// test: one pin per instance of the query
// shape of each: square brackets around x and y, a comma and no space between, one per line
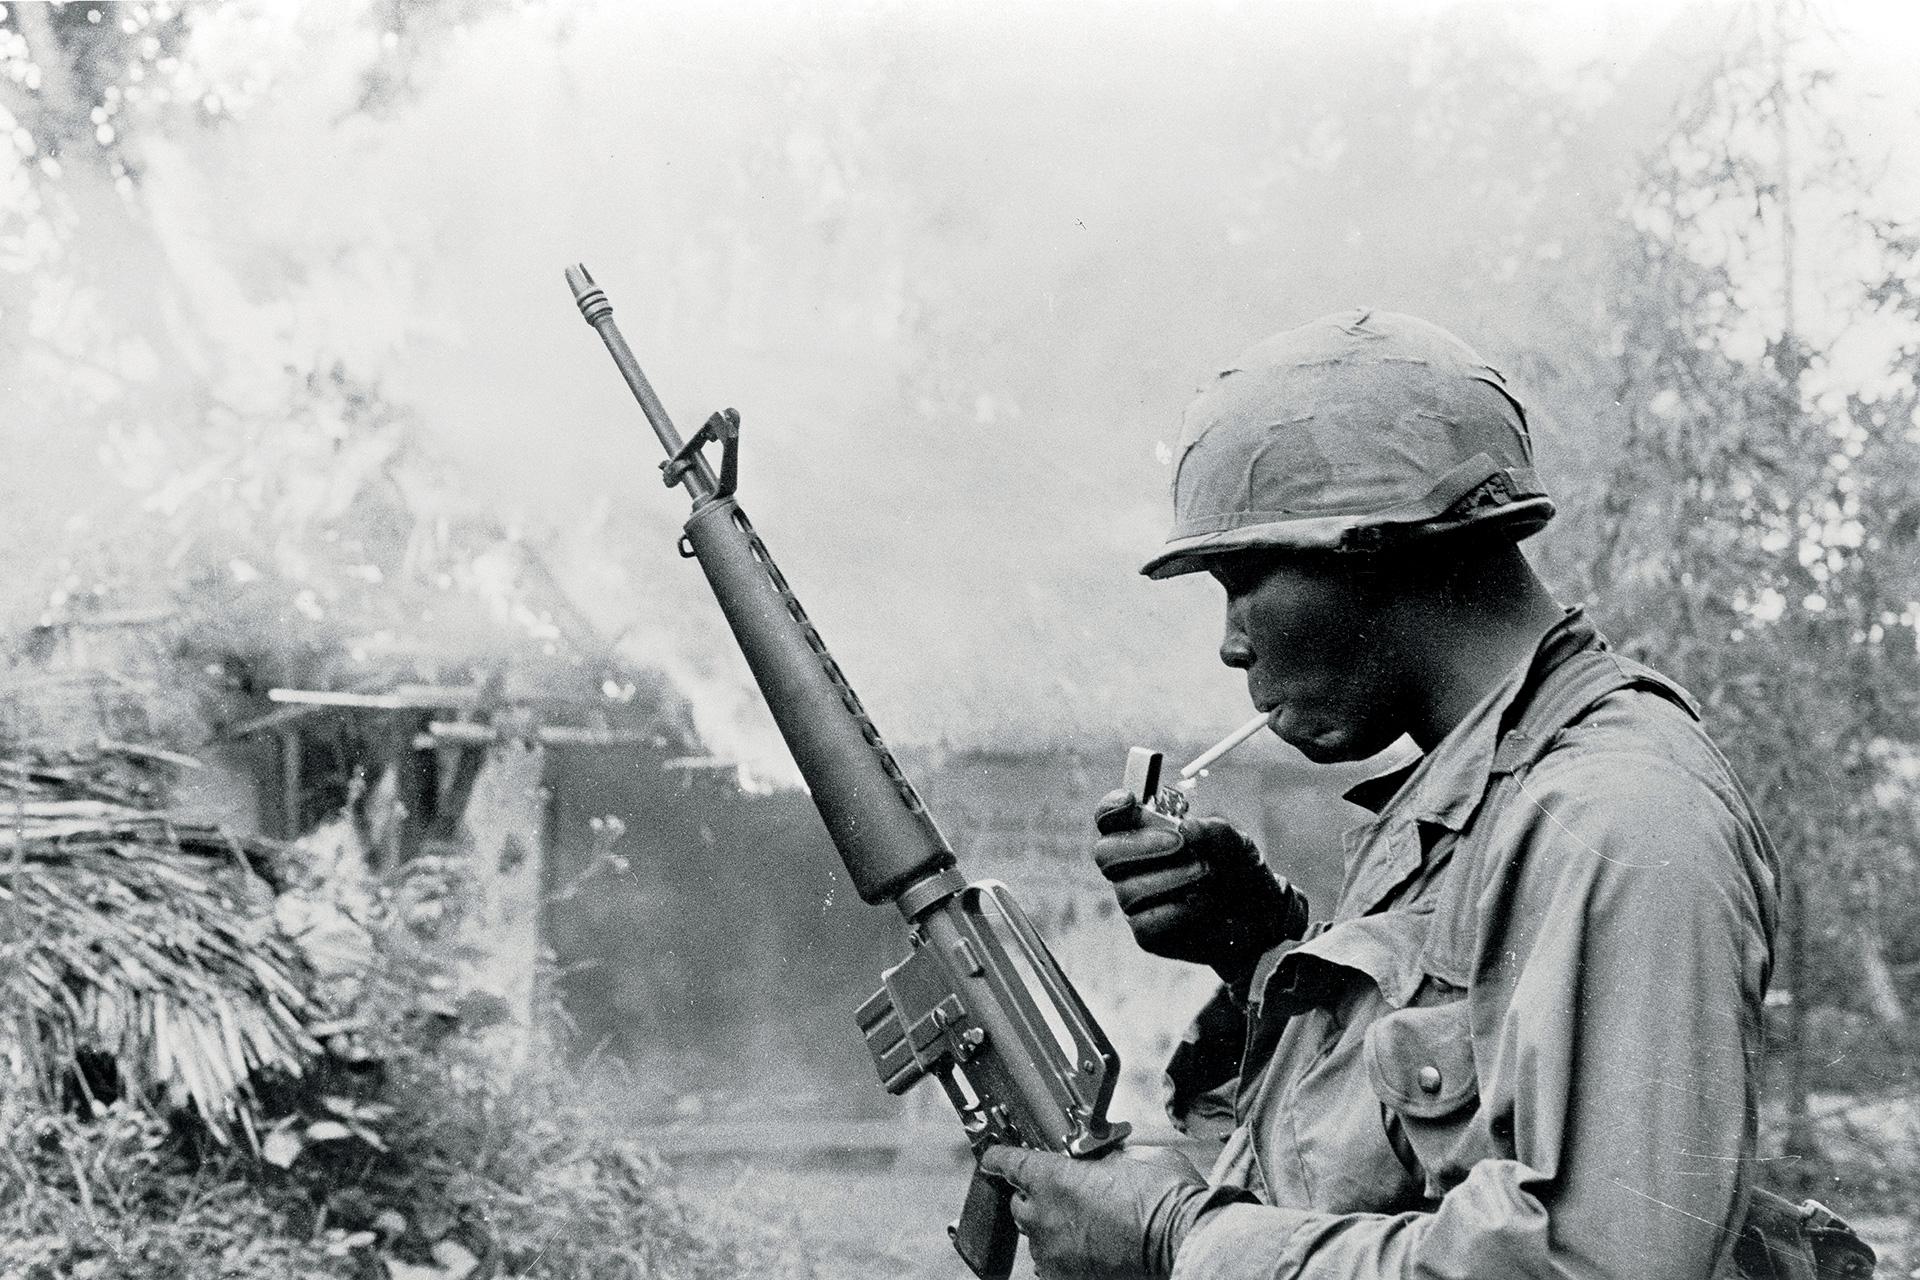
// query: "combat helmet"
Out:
[1360,431]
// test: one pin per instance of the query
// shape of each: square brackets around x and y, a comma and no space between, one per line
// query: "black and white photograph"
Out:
[949,639]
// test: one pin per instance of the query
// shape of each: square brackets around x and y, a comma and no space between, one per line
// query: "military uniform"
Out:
[1526,1044]
[1527,1041]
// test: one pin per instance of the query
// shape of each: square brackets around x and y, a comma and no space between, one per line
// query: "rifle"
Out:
[979,1003]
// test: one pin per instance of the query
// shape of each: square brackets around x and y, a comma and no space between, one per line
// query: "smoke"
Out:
[958,267]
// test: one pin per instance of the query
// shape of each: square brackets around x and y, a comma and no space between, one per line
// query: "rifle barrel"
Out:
[598,312]
[891,847]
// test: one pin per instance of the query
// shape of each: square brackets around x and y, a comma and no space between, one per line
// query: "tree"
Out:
[1758,535]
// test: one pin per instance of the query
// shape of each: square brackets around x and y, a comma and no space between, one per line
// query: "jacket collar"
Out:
[1444,787]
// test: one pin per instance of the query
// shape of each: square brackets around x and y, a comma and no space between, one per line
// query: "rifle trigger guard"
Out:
[723,428]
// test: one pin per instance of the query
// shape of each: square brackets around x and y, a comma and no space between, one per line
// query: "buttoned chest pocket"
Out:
[1420,1062]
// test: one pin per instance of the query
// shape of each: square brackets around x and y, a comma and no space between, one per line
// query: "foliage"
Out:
[411,1144]
[1758,535]
[517,1181]
[117,1195]
[521,1176]
[399,1153]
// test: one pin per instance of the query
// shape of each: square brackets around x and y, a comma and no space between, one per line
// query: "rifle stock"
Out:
[979,1003]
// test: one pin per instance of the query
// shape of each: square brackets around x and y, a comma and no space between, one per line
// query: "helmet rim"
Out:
[1347,535]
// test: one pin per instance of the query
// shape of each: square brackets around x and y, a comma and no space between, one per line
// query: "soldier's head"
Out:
[1354,484]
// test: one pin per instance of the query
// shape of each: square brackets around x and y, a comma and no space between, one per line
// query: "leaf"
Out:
[282,1148]
[398,1270]
[327,1131]
[456,1261]
[369,1137]
[348,1109]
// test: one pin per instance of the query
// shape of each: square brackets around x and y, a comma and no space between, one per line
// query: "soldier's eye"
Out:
[1237,579]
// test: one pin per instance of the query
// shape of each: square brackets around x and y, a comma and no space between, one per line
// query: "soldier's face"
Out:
[1317,643]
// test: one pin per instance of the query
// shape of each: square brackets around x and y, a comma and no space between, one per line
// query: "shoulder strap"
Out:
[1566,694]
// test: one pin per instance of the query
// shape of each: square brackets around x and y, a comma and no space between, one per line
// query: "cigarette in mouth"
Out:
[1226,744]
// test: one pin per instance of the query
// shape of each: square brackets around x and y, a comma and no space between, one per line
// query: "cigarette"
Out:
[1226,744]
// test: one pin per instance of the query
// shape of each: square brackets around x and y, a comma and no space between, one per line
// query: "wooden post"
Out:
[290,783]
[502,832]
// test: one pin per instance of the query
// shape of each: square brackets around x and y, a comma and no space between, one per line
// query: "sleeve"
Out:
[1624,955]
[1204,1069]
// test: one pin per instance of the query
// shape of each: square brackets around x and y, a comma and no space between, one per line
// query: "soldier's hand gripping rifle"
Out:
[979,1003]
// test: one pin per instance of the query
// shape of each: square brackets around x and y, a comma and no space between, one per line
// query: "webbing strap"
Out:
[1567,693]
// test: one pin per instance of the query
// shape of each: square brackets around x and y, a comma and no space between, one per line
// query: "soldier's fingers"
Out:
[1045,1265]
[1115,854]
[1170,1158]
[1117,811]
[1006,1163]
[1166,923]
[1219,840]
[1025,1217]
[1137,893]
[1040,1174]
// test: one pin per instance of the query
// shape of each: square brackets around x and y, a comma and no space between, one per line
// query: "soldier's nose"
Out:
[1235,651]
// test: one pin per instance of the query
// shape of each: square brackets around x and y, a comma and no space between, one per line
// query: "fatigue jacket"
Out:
[1527,1042]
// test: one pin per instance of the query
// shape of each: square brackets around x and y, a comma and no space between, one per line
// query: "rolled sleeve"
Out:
[1244,1242]
[1481,1229]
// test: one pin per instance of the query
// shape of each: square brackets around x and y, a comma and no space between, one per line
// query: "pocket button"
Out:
[1429,1079]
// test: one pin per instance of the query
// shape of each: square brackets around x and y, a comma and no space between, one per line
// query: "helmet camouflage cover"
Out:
[1359,431]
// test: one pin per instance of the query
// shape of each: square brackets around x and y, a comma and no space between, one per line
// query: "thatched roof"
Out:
[143,940]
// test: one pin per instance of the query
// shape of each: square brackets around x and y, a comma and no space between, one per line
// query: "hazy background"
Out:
[959,267]
[290,378]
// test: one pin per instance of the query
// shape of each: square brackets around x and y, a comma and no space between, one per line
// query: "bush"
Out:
[521,1178]
[400,1153]
[475,1180]
[118,1195]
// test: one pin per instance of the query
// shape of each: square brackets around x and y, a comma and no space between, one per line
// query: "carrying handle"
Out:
[1089,1075]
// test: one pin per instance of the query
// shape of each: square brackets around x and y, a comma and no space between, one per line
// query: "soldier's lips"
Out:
[1315,741]
[1280,718]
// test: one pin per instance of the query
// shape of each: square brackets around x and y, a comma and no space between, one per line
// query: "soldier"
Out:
[1524,1042]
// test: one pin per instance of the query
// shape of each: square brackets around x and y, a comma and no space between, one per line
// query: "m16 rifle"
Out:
[979,1003]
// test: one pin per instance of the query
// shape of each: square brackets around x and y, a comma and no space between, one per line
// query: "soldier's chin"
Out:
[1329,753]
[1324,746]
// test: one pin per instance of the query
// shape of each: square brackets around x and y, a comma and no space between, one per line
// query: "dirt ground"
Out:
[881,1224]
[876,1215]
[863,1220]
[870,1199]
